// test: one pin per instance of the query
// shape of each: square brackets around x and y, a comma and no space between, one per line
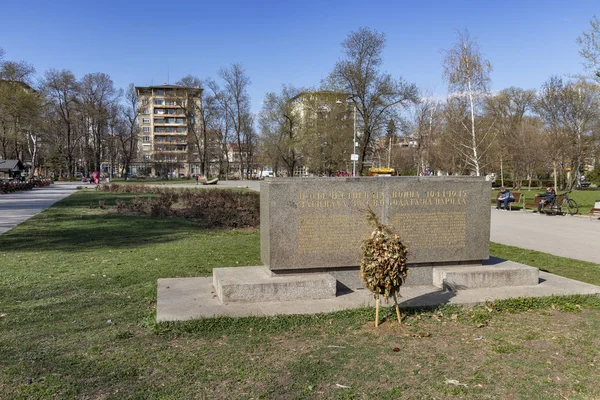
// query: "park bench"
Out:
[518,197]
[595,212]
[533,204]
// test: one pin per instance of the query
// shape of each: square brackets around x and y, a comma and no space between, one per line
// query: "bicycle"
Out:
[567,205]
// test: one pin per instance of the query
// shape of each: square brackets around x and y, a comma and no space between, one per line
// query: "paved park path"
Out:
[20,206]
[566,236]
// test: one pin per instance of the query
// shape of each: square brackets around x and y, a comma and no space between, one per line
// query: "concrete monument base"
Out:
[505,274]
[181,299]
[259,284]
[255,284]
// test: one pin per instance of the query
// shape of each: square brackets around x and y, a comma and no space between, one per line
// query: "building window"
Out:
[146,156]
[159,129]
[180,129]
[159,102]
[159,111]
[180,121]
[145,111]
[146,120]
[146,138]
[145,102]
[146,129]
[159,92]
[159,120]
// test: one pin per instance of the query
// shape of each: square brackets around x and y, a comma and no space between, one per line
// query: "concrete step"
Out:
[255,284]
[503,274]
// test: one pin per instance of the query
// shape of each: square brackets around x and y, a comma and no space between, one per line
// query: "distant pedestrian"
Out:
[196,178]
[504,197]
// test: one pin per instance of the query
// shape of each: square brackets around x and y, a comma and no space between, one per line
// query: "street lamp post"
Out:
[354,155]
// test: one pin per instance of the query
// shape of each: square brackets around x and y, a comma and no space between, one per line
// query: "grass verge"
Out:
[569,268]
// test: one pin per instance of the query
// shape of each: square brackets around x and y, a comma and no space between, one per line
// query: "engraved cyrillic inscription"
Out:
[436,230]
[330,234]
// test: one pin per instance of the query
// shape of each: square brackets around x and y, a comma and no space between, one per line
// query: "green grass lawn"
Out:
[77,320]
[585,198]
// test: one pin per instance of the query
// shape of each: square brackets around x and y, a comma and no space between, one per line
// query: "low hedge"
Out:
[222,208]
[15,186]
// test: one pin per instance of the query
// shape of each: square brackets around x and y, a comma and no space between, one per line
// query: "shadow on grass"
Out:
[62,232]
[429,300]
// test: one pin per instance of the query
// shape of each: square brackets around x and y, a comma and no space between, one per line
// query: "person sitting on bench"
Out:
[505,196]
[545,198]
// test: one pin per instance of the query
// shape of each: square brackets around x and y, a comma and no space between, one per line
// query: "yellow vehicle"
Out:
[382,171]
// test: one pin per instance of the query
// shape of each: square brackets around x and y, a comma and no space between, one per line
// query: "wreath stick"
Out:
[377,312]
[397,309]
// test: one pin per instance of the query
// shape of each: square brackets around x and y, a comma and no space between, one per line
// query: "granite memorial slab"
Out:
[319,223]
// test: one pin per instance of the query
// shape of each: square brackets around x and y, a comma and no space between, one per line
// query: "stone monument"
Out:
[311,231]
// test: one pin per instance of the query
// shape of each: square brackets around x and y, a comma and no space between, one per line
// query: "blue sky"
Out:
[293,43]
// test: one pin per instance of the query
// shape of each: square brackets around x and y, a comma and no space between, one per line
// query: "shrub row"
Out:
[41,182]
[15,186]
[209,207]
[223,208]
[116,188]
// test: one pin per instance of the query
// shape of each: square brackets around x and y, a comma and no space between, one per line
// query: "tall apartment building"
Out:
[166,115]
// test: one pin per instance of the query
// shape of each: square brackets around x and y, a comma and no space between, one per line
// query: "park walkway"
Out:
[20,206]
[565,236]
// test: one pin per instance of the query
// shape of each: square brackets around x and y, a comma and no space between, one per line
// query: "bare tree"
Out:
[508,110]
[202,119]
[376,95]
[280,128]
[468,77]
[426,127]
[128,129]
[570,112]
[235,90]
[530,149]
[222,104]
[99,101]
[589,47]
[20,110]
[17,71]
[62,89]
